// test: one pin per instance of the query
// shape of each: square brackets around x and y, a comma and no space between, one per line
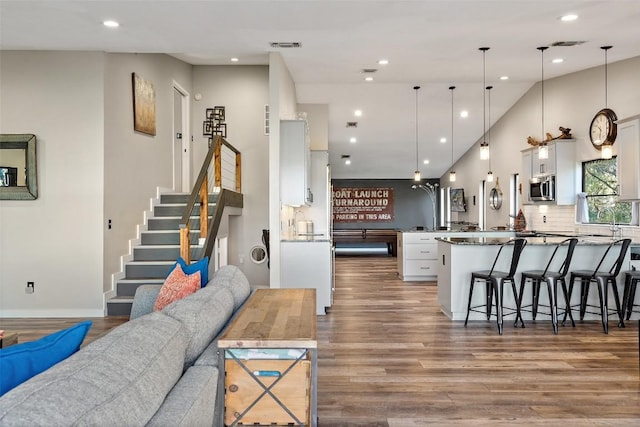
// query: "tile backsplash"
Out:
[563,218]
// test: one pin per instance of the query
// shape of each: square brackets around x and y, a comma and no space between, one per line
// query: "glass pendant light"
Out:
[489,174]
[452,173]
[543,149]
[606,149]
[484,147]
[416,174]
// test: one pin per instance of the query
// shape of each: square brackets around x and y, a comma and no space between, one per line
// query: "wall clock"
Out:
[603,128]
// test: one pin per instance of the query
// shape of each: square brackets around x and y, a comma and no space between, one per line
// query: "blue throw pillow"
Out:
[20,362]
[202,266]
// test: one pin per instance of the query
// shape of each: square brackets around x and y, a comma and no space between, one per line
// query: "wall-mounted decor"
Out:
[18,167]
[353,204]
[144,105]
[457,200]
[213,124]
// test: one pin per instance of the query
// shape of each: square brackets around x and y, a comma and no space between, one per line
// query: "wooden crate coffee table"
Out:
[269,390]
[9,338]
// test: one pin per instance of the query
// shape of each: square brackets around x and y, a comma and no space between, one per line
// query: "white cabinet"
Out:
[295,163]
[628,142]
[561,163]
[308,264]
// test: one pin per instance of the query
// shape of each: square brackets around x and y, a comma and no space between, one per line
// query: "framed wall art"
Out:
[144,105]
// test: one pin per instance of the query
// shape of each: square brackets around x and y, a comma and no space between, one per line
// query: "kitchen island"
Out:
[417,251]
[458,257]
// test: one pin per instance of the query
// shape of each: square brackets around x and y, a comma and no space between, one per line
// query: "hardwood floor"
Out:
[389,357]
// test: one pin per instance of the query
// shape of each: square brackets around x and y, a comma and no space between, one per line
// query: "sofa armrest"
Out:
[143,300]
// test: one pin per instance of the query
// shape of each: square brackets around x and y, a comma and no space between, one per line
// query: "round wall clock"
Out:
[603,128]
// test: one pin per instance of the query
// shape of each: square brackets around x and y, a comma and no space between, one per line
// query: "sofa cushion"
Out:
[203,315]
[120,379]
[202,265]
[231,277]
[176,286]
[22,361]
[192,401]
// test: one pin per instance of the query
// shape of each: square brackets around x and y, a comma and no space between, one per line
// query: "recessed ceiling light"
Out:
[357,113]
[504,77]
[353,139]
[557,60]
[368,79]
[568,18]
[234,59]
[110,23]
[443,140]
[383,62]
[426,161]
[464,113]
[347,162]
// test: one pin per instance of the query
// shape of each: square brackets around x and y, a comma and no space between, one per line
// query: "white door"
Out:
[181,140]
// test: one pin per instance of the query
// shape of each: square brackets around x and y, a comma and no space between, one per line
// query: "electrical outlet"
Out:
[30,288]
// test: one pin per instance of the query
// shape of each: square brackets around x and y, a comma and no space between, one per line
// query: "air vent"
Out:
[285,45]
[345,156]
[369,70]
[352,124]
[568,43]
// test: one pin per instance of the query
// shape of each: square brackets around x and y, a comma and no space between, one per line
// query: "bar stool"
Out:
[602,279]
[494,282]
[631,279]
[551,278]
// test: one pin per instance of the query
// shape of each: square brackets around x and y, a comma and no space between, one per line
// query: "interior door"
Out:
[177,140]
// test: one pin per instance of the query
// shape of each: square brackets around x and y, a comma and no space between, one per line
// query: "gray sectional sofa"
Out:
[158,369]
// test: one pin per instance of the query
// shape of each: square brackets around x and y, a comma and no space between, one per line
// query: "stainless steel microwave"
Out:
[542,188]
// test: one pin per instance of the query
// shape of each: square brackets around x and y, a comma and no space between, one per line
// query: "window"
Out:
[600,182]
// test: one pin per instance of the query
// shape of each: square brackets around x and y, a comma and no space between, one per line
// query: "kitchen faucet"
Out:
[613,227]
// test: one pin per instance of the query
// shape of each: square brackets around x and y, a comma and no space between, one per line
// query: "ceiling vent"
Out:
[285,45]
[345,156]
[568,43]
[352,124]
[369,70]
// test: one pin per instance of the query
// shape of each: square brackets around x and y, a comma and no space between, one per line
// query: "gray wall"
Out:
[412,207]
[244,91]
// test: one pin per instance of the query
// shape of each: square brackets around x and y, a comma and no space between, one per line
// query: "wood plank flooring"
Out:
[388,357]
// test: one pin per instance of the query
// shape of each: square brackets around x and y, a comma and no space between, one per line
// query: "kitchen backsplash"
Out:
[563,218]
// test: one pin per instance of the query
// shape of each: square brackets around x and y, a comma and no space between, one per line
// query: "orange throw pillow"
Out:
[176,286]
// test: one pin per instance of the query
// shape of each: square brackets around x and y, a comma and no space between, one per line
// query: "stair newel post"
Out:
[185,244]
[238,173]
[204,208]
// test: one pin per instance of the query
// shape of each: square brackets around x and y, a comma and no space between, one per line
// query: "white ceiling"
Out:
[433,44]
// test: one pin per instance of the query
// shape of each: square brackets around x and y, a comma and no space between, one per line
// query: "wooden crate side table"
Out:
[264,391]
[9,338]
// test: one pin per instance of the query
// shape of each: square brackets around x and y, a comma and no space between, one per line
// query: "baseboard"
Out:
[82,313]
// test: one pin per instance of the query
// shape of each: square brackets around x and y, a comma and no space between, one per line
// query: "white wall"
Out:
[55,240]
[570,101]
[244,91]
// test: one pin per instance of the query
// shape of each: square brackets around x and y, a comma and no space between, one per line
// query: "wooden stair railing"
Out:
[200,193]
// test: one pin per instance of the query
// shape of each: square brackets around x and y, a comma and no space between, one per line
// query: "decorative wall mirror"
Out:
[495,196]
[18,168]
[258,254]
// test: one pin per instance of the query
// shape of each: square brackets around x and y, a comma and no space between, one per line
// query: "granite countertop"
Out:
[551,240]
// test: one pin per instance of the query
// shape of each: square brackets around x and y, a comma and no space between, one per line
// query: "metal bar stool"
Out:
[551,278]
[631,279]
[494,283]
[602,279]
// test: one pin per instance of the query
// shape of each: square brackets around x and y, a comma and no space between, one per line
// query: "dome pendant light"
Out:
[606,150]
[452,173]
[484,147]
[416,174]
[543,149]
[489,174]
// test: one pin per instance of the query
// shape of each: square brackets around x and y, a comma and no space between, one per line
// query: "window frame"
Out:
[617,211]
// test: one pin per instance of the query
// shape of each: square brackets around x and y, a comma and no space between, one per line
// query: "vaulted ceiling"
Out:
[433,44]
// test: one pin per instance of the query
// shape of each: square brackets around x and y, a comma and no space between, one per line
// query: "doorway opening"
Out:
[181,140]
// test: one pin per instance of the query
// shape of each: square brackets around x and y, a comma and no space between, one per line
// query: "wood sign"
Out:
[357,204]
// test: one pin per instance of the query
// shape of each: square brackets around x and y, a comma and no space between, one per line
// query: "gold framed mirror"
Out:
[18,167]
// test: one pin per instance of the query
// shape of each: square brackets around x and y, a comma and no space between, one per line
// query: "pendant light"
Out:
[416,174]
[606,151]
[484,147]
[489,174]
[452,173]
[543,149]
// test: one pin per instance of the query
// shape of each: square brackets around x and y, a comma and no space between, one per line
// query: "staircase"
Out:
[158,250]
